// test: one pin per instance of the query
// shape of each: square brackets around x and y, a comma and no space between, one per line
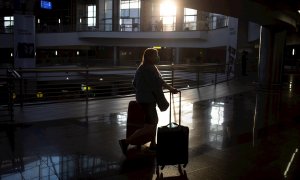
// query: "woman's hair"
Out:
[149,56]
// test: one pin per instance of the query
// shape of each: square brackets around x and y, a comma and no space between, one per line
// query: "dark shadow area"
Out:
[249,135]
[182,174]
[139,164]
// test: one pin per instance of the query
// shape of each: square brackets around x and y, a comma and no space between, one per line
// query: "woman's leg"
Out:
[143,135]
[153,140]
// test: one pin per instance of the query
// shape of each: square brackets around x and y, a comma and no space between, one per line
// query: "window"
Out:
[108,15]
[218,21]
[167,16]
[130,15]
[8,24]
[91,15]
[190,19]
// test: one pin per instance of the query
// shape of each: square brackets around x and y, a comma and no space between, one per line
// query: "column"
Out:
[116,56]
[99,16]
[25,45]
[116,15]
[267,116]
[177,55]
[242,44]
[271,54]
[179,17]
[24,35]
[146,16]
[231,53]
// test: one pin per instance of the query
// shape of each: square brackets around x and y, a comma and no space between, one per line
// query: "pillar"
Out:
[116,56]
[116,15]
[25,45]
[24,34]
[267,114]
[271,54]
[179,16]
[177,55]
[231,53]
[241,45]
[146,14]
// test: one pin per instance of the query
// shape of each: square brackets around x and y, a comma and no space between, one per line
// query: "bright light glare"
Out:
[168,11]
[186,112]
[167,8]
[289,164]
[217,114]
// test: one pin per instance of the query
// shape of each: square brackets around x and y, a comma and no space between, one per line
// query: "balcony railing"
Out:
[53,85]
[202,25]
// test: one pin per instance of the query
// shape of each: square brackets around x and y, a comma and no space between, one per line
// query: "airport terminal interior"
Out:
[66,72]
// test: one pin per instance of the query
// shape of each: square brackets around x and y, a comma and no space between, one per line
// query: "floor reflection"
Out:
[57,167]
[216,125]
[251,135]
[224,122]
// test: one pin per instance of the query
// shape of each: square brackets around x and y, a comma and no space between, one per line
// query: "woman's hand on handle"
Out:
[170,88]
[174,90]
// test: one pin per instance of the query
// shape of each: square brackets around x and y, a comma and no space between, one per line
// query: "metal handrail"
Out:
[186,26]
[7,85]
[54,85]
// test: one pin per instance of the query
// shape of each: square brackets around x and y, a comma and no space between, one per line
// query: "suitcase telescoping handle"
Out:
[170,113]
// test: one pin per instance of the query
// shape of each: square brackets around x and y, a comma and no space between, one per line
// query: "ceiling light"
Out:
[299,11]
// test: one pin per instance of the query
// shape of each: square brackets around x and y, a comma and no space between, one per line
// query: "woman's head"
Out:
[150,56]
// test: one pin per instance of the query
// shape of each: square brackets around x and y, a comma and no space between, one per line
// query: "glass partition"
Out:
[190,19]
[8,24]
[108,11]
[168,16]
[91,15]
[130,15]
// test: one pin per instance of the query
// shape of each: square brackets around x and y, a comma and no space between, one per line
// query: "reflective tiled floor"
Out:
[236,132]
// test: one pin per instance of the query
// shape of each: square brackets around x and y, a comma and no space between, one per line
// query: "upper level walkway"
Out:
[236,132]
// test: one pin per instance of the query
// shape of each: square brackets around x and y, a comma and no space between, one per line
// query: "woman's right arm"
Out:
[170,88]
[164,84]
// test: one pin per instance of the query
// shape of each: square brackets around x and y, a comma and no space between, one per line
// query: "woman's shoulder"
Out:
[148,68]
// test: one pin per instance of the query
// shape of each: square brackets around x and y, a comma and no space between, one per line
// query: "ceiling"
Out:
[281,13]
[264,12]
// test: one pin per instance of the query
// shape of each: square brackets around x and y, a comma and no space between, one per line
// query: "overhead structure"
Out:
[281,13]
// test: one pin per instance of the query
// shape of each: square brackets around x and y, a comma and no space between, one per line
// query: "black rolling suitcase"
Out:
[172,142]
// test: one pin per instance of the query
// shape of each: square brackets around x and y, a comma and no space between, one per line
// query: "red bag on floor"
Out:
[135,118]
